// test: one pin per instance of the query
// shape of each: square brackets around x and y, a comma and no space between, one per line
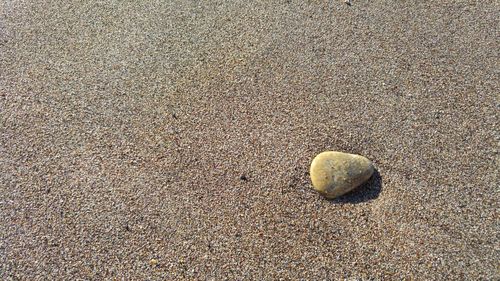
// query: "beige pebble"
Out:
[335,173]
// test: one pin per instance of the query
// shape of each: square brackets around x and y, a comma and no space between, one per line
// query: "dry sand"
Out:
[169,140]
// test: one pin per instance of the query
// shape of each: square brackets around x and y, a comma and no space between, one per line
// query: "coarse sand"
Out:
[171,140]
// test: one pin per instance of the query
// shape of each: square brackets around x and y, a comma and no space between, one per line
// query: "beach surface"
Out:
[171,140]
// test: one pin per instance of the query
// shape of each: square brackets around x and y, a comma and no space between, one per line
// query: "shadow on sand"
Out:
[366,192]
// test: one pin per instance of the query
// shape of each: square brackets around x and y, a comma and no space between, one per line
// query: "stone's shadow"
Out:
[368,191]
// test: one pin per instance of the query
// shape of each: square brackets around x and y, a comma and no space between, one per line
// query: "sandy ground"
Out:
[169,140]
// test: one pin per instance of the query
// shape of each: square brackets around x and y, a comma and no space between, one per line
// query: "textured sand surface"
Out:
[182,131]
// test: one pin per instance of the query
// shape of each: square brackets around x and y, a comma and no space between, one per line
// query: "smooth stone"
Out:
[335,173]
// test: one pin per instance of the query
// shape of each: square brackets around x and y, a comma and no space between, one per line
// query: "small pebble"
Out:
[335,173]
